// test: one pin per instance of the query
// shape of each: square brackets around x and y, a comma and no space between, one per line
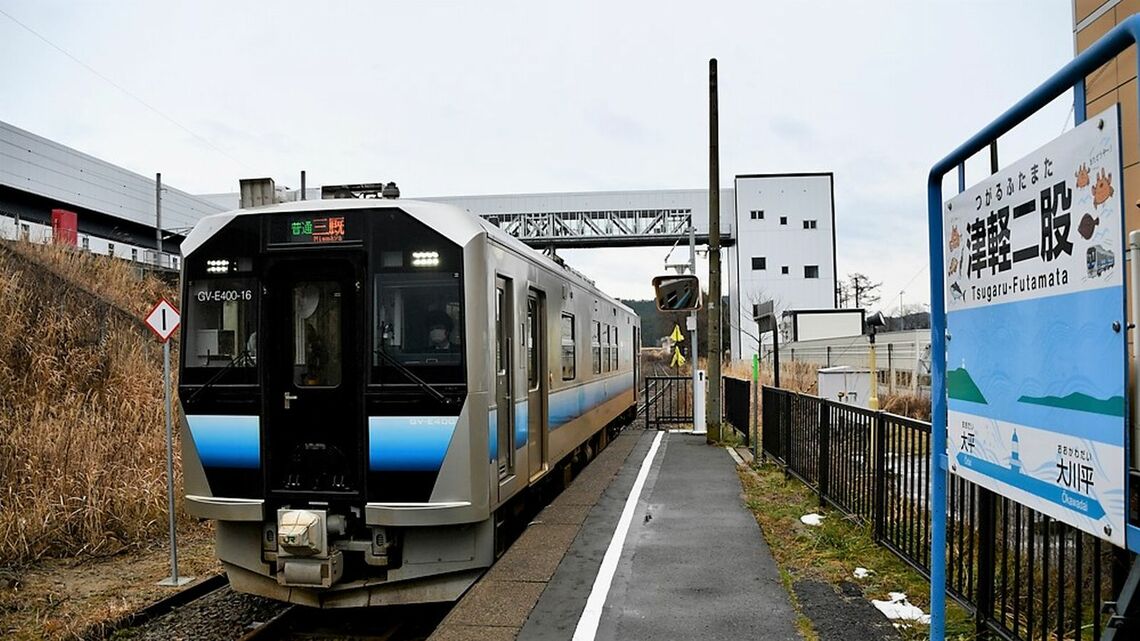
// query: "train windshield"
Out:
[419,328]
[221,323]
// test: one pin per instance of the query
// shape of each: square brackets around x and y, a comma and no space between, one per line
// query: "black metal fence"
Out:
[668,401]
[1022,574]
[737,405]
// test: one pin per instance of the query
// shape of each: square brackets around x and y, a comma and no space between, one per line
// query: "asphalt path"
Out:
[693,566]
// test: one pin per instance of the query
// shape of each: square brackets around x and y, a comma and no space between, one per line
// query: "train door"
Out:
[314,429]
[536,382]
[504,398]
[636,354]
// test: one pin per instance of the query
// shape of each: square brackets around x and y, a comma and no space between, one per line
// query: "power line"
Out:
[122,89]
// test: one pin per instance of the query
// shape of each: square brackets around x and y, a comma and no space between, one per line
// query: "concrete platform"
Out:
[693,564]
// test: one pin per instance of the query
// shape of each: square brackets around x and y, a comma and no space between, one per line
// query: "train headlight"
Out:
[425,259]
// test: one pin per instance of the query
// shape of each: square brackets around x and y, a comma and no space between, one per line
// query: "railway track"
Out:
[391,623]
[657,369]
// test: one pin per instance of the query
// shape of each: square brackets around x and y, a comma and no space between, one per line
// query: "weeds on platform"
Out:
[831,551]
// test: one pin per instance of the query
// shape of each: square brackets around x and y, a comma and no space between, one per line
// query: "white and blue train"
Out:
[369,387]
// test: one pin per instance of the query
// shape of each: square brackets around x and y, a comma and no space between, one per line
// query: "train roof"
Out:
[453,223]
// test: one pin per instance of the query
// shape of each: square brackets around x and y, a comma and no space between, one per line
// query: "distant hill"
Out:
[961,386]
[655,324]
[1113,406]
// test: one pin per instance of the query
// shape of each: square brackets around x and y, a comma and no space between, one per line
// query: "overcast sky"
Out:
[451,98]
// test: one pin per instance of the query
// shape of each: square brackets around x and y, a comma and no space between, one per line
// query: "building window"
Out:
[811,271]
[757,214]
[759,262]
[784,269]
[568,364]
[86,244]
[25,232]
[134,254]
[110,249]
[810,224]
[783,220]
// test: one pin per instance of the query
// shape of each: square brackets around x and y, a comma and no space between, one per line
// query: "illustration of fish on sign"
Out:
[1082,176]
[1102,190]
[953,269]
[1087,226]
[956,292]
[955,238]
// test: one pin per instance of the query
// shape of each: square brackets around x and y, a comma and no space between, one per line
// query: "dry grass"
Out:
[82,454]
[795,376]
[916,406]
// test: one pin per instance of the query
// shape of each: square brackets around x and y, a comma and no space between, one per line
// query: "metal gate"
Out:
[668,401]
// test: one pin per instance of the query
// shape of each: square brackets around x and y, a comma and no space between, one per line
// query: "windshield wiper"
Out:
[244,357]
[411,376]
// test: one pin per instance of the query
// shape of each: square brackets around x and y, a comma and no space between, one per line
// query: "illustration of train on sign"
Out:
[1099,259]
[370,386]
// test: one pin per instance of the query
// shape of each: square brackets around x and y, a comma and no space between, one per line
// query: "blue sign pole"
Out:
[1071,76]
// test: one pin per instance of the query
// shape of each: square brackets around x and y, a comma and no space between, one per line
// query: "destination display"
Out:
[1035,357]
[311,229]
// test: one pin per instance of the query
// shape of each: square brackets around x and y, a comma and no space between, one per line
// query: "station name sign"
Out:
[1035,356]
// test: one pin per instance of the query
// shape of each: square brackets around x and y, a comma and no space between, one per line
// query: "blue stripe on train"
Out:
[227,441]
[565,406]
[408,443]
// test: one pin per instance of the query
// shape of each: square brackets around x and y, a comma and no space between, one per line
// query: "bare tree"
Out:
[863,290]
[842,294]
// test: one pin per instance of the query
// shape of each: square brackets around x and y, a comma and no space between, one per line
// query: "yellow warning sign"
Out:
[676,336]
[678,360]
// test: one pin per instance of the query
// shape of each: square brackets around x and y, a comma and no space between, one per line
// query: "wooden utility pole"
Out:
[712,401]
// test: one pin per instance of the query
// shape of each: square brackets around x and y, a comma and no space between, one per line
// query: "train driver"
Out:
[439,332]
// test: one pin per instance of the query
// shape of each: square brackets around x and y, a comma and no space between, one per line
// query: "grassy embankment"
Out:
[82,454]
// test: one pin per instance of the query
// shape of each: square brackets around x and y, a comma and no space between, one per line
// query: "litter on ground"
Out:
[897,607]
[812,519]
[862,573]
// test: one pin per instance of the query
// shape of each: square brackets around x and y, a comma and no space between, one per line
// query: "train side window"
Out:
[532,379]
[499,367]
[596,346]
[568,357]
[611,348]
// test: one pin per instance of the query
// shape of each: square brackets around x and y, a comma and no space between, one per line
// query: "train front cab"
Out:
[329,373]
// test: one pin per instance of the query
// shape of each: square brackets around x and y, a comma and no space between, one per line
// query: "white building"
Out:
[114,207]
[784,251]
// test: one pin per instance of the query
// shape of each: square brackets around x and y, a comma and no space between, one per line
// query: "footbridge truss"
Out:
[604,228]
